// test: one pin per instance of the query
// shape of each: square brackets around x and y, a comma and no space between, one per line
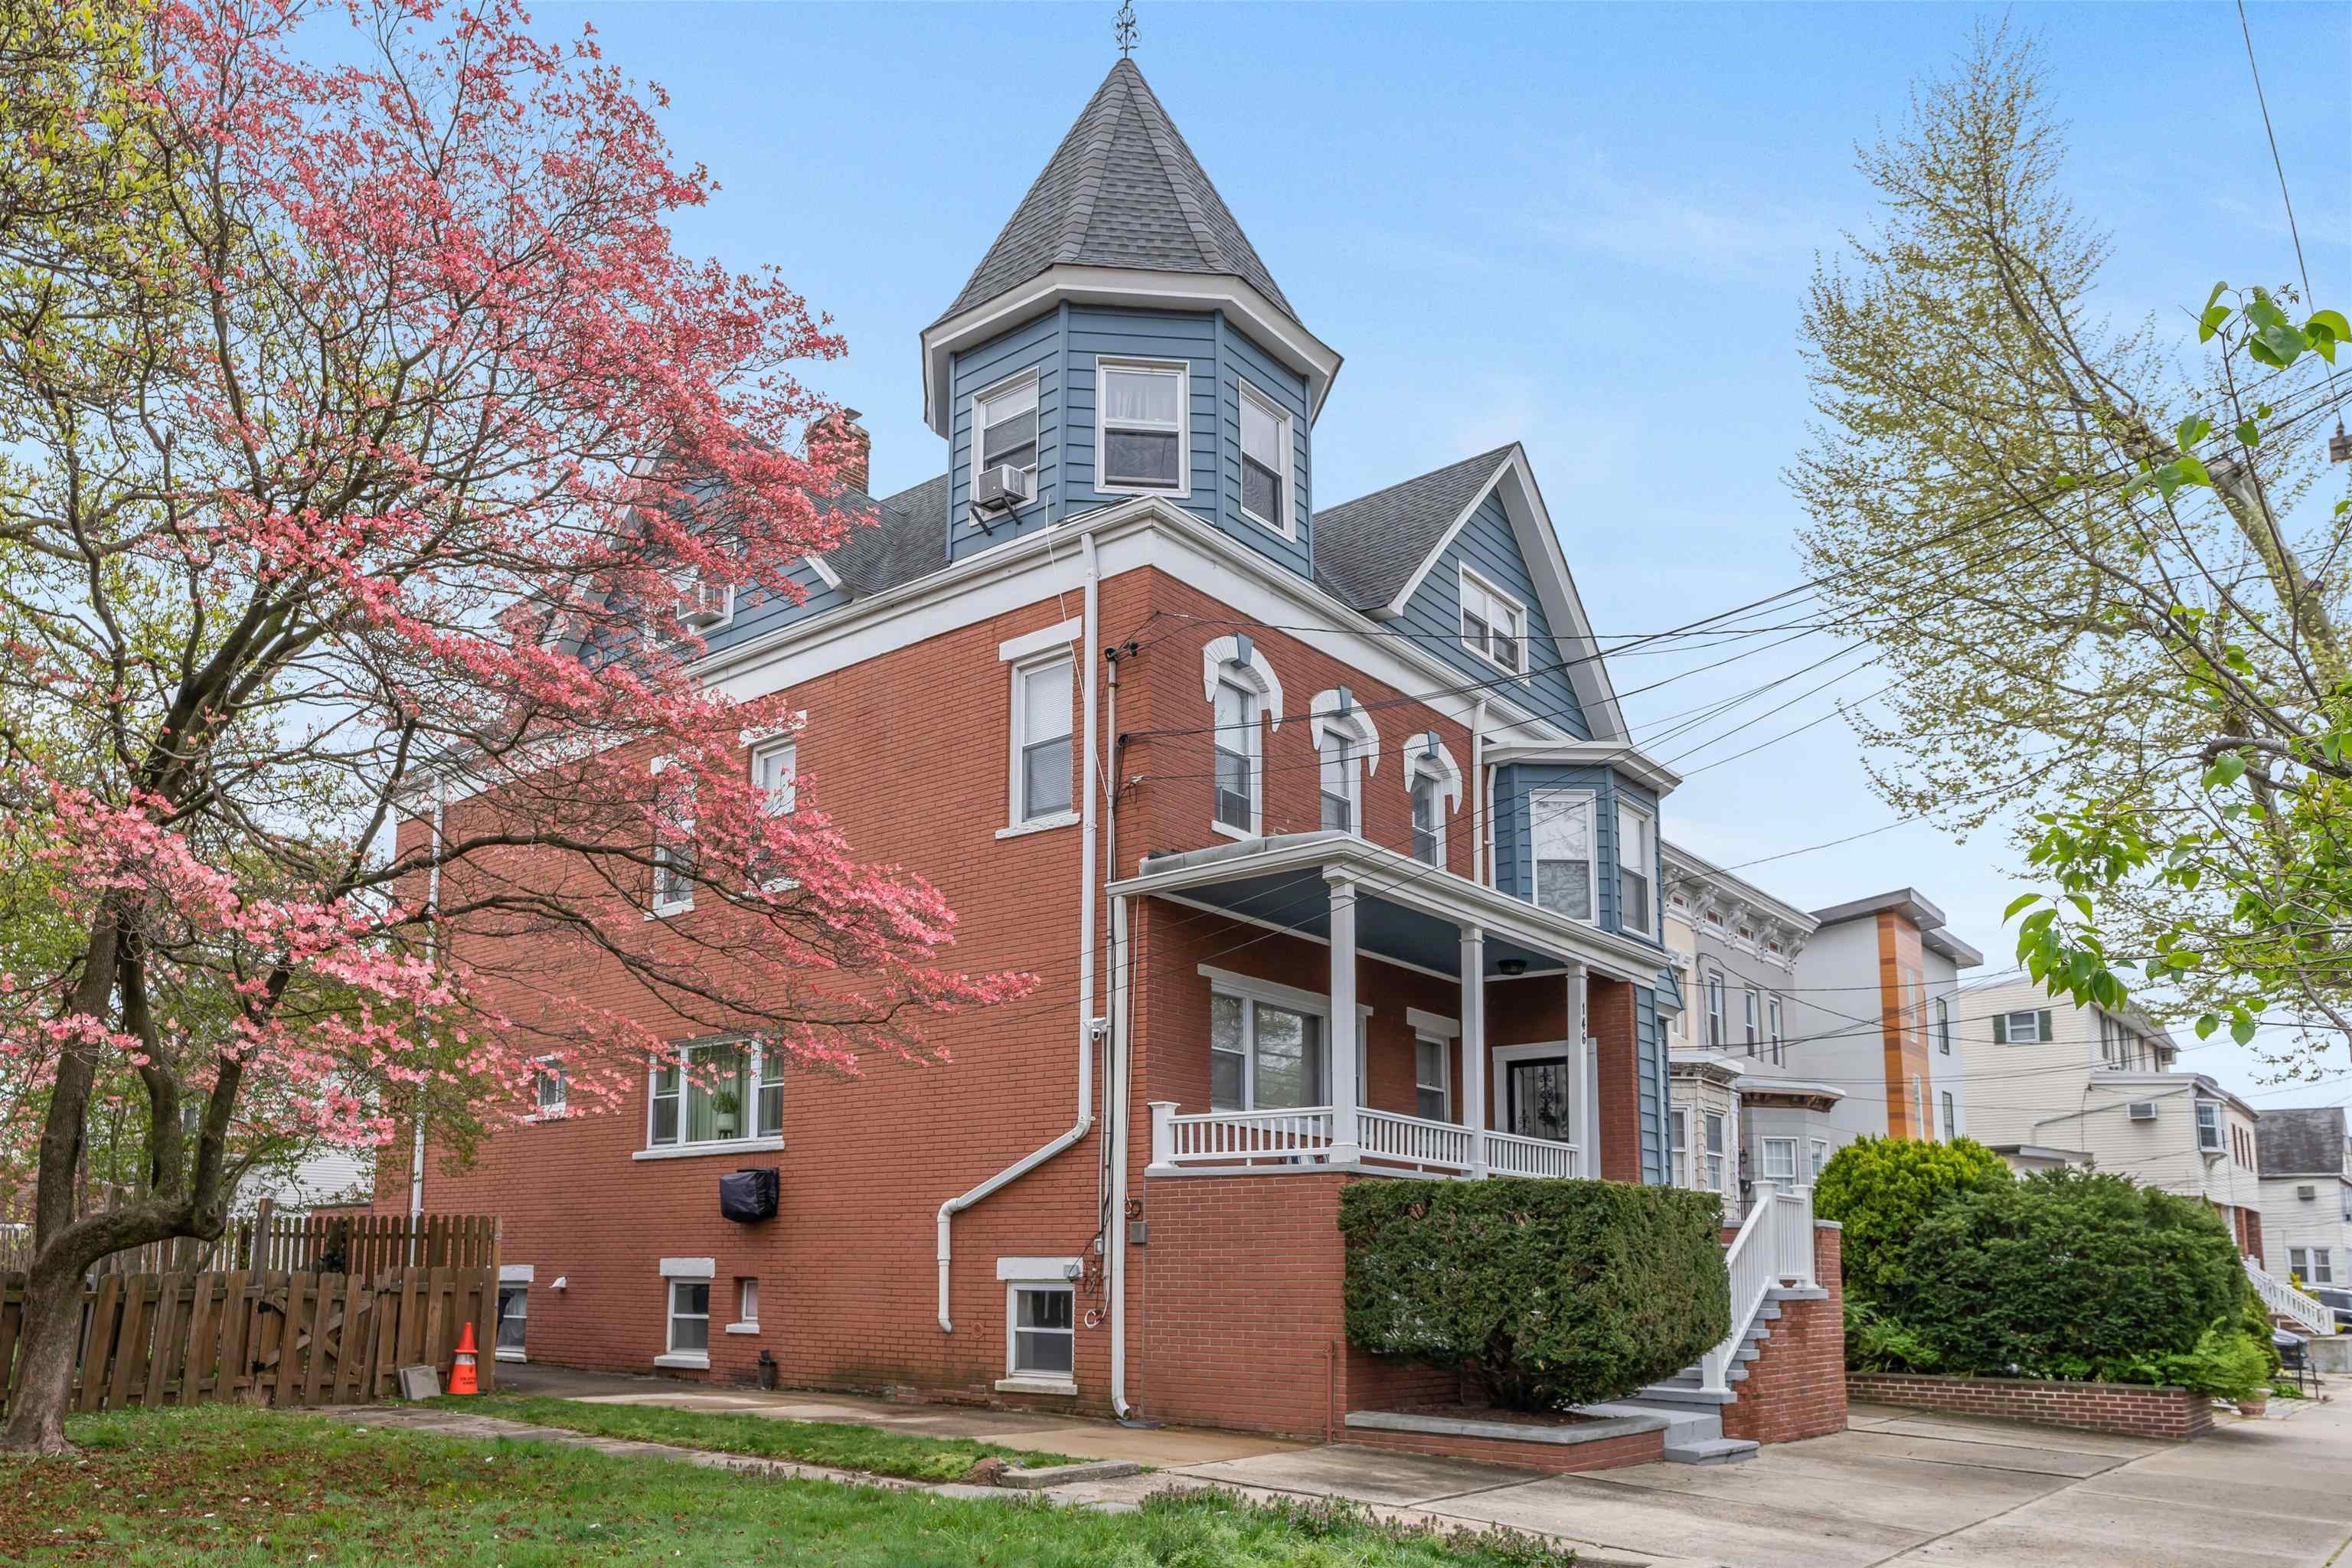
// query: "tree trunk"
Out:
[46,1347]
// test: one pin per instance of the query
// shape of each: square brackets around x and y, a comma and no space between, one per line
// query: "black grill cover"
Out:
[749,1195]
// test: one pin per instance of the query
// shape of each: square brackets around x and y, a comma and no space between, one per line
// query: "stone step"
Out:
[1711,1451]
[1687,1392]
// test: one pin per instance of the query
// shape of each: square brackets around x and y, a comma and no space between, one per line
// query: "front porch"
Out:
[1474,1051]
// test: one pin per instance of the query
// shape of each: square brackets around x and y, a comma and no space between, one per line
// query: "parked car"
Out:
[2338,1302]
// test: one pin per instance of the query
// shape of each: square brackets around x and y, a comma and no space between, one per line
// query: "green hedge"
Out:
[1550,1293]
[1880,1189]
[2070,1274]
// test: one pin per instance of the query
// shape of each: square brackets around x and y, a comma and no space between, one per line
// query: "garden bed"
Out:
[1556,1445]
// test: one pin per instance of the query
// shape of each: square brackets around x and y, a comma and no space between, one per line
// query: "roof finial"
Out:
[1124,28]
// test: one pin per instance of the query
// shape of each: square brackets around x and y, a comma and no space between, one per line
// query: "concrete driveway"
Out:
[1896,1487]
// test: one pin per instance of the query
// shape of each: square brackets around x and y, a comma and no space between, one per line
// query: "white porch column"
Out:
[1587,1079]
[1474,1043]
[1346,1029]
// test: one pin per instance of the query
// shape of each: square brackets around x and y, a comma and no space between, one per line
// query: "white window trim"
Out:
[682,581]
[1284,441]
[1444,1084]
[1019,1274]
[1020,669]
[661,908]
[1037,412]
[1354,727]
[541,1066]
[1776,1025]
[1678,1148]
[1044,640]
[1764,1163]
[1249,990]
[1439,767]
[1236,660]
[682,1148]
[512,1274]
[1591,799]
[2197,1126]
[1182,370]
[1511,601]
[1648,873]
[677,1271]
[788,742]
[743,1325]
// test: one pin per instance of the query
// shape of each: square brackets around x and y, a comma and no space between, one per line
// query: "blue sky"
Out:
[1586,229]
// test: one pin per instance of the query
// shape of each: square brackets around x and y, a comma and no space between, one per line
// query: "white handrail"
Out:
[1308,1135]
[1511,1155]
[2287,1301]
[1223,1136]
[1774,1248]
[1415,1141]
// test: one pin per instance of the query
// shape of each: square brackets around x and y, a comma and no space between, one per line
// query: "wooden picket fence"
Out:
[330,1243]
[273,1334]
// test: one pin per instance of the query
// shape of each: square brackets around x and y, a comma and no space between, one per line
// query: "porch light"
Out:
[1512,968]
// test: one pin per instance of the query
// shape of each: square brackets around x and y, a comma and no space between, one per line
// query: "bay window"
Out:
[1266,460]
[1559,822]
[1636,854]
[1004,426]
[1780,1164]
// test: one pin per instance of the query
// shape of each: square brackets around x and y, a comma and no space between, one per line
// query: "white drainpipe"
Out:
[1089,1026]
[1115,1103]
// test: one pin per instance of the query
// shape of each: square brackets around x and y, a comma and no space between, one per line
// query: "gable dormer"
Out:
[1123,337]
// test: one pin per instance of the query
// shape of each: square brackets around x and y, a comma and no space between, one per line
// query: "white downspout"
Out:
[1089,1026]
[1115,1103]
[1482,821]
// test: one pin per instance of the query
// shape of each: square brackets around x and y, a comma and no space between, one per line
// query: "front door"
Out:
[1535,1099]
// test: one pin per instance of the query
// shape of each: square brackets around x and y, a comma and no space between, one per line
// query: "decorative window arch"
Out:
[1348,745]
[1240,689]
[1432,780]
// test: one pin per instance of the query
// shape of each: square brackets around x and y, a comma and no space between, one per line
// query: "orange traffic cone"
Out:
[462,1379]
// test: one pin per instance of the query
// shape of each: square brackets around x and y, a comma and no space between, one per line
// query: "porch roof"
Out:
[1406,912]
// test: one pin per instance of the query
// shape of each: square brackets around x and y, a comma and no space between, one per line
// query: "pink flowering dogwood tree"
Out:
[354,475]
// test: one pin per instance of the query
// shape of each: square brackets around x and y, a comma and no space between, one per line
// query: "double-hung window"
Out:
[1041,738]
[551,1089]
[1493,625]
[1560,824]
[1043,1326]
[1751,1022]
[1714,1151]
[1428,821]
[1772,1022]
[1715,1012]
[514,1320]
[774,775]
[1951,1117]
[1684,1176]
[1264,1056]
[1821,1151]
[1337,772]
[1432,1082]
[1140,413]
[721,1094]
[1236,748]
[674,858]
[1943,1006]
[2312,1264]
[1636,845]
[2021,1028]
[685,1340]
[2208,1126]
[1266,460]
[1006,421]
[1780,1164]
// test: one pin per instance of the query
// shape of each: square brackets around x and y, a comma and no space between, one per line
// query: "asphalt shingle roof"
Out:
[2301,1142]
[906,540]
[1367,549]
[1122,190]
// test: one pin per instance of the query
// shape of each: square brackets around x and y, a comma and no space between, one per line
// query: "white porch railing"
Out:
[1411,1140]
[1304,1136]
[2286,1302]
[1510,1155]
[1773,1248]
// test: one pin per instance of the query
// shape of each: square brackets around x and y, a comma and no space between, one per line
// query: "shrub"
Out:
[2226,1363]
[1551,1293]
[1876,1342]
[2069,1274]
[1881,1188]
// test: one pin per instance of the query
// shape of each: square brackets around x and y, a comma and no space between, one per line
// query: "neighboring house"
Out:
[1873,1019]
[1381,894]
[1750,1107]
[335,1178]
[2055,1083]
[2306,1195]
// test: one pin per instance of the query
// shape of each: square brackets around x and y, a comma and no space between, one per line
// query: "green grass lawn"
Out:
[873,1449]
[220,1485]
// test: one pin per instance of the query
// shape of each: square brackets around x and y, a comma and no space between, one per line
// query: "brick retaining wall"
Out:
[1607,1453]
[2133,1410]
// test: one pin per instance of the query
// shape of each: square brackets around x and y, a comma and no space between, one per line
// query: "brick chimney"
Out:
[839,437]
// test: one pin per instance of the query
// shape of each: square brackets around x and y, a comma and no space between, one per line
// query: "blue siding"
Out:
[1515,859]
[1239,359]
[756,611]
[1650,1079]
[1137,334]
[1488,546]
[1034,345]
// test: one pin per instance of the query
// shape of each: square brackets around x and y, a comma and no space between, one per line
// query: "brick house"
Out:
[1223,766]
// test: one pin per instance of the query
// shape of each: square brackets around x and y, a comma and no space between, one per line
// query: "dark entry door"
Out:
[1535,1099]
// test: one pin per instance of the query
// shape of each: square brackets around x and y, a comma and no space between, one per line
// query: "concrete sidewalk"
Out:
[1897,1487]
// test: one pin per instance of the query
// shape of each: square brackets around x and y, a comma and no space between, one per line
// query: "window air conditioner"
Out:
[701,601]
[2307,1193]
[1001,489]
[2143,1110]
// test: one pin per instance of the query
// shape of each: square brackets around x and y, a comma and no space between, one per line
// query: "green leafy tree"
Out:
[2091,558]
[1882,1189]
